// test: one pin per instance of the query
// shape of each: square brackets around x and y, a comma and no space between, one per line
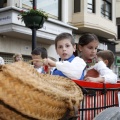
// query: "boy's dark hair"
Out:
[64,36]
[40,51]
[107,55]
[87,38]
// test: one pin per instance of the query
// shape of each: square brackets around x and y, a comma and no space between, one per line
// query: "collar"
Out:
[69,59]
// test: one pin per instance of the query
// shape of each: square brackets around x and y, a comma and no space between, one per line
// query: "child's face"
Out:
[18,58]
[36,62]
[65,49]
[89,51]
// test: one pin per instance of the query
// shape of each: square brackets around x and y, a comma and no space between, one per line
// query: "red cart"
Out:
[97,97]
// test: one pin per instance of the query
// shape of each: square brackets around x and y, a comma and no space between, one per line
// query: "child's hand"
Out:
[49,62]
[92,79]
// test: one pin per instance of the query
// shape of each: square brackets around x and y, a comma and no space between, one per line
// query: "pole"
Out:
[34,29]
[33,38]
[34,4]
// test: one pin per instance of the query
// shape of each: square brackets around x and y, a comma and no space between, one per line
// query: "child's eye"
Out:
[60,46]
[90,47]
[96,48]
[67,45]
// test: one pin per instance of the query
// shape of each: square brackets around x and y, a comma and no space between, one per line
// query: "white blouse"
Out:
[104,71]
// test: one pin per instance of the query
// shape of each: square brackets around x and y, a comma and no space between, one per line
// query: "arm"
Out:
[106,73]
[92,79]
[72,69]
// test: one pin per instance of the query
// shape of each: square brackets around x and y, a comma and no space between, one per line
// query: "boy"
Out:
[69,66]
[38,54]
[103,67]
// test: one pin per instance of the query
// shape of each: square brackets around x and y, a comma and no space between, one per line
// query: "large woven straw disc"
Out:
[26,94]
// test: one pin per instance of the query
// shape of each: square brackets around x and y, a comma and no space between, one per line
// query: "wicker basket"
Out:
[25,94]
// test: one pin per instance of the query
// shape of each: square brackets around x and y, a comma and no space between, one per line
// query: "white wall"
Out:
[117,8]
[52,51]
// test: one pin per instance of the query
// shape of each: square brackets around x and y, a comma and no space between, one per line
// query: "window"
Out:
[3,3]
[106,9]
[76,6]
[91,6]
[118,30]
[53,7]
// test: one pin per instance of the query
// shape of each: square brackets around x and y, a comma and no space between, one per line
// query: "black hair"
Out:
[64,36]
[40,51]
[87,38]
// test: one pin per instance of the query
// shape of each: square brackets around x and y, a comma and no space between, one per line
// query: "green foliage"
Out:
[32,12]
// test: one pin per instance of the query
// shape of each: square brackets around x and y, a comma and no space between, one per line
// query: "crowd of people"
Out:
[74,67]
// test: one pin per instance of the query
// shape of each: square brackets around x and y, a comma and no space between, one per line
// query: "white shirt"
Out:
[73,69]
[39,69]
[52,69]
[104,71]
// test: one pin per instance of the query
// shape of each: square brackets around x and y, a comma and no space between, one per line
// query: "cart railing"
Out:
[97,97]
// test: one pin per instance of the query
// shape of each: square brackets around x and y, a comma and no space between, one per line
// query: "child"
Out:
[69,66]
[105,61]
[17,57]
[38,54]
[88,44]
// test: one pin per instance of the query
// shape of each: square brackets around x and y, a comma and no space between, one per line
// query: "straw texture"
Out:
[25,94]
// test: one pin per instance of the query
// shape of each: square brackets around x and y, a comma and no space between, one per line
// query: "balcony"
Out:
[11,26]
[96,24]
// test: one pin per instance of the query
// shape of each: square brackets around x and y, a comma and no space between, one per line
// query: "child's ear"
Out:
[80,48]
[74,48]
[106,62]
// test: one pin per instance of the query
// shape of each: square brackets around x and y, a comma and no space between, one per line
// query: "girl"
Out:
[88,44]
[17,57]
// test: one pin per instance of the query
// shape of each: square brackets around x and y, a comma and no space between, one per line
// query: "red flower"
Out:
[34,8]
[46,68]
[89,61]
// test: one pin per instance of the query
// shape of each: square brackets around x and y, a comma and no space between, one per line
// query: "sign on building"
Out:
[117,60]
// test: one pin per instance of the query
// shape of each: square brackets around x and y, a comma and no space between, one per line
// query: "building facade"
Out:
[118,36]
[74,16]
[16,38]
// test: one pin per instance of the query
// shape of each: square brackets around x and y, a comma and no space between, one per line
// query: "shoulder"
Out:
[79,60]
[100,64]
